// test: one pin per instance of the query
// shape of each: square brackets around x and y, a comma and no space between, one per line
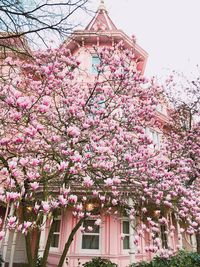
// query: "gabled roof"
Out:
[101,21]
[101,31]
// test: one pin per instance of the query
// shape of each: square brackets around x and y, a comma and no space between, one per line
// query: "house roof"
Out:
[101,21]
[101,31]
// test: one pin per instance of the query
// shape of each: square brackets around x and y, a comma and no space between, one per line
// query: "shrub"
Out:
[99,262]
[1,260]
[182,259]
[39,262]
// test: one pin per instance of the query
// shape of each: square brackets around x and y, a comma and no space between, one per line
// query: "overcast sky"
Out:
[169,30]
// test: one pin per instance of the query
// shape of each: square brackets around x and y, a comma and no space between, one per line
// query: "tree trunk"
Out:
[48,244]
[28,250]
[27,237]
[69,241]
[198,242]
[36,246]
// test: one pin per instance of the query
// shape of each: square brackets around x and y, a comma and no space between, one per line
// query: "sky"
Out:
[167,29]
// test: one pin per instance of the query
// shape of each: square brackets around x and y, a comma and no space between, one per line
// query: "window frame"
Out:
[58,218]
[91,251]
[125,219]
[155,137]
[164,237]
[94,70]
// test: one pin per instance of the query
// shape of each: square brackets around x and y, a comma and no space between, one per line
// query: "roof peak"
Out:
[102,5]
[101,21]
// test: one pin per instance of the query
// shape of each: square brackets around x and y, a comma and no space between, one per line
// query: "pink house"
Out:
[105,240]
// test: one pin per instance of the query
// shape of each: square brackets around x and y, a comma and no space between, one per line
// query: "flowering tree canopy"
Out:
[67,142]
[182,138]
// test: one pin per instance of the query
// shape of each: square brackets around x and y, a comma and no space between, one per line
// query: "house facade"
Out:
[114,237]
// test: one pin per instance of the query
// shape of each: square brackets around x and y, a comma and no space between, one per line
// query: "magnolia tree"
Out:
[174,183]
[67,141]
[182,140]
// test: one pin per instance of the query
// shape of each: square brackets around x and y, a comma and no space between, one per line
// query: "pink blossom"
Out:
[114,202]
[90,228]
[11,222]
[45,206]
[63,165]
[144,210]
[102,198]
[66,191]
[79,207]
[25,227]
[62,201]
[34,185]
[87,182]
[73,131]
[73,198]
[82,229]
[23,102]
[12,196]
[23,161]
[98,221]
[35,162]
[4,171]
[80,215]
[108,182]
[36,208]
[54,204]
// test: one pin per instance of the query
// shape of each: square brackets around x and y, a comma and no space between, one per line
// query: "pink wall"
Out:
[111,245]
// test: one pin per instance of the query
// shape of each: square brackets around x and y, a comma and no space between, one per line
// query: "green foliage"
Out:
[1,260]
[99,262]
[39,262]
[182,259]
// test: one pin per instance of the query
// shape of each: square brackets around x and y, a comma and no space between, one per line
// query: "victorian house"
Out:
[105,240]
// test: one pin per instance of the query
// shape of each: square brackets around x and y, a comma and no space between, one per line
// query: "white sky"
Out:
[169,30]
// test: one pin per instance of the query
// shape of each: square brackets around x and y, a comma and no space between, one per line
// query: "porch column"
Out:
[180,237]
[4,222]
[194,243]
[170,244]
[42,238]
[5,243]
[12,252]
[132,225]
[172,237]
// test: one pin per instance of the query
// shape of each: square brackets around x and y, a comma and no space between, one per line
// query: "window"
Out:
[56,235]
[95,63]
[126,234]
[91,236]
[163,235]
[154,137]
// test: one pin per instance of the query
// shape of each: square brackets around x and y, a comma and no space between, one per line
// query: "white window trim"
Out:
[91,251]
[162,234]
[92,67]
[125,250]
[56,249]
[155,137]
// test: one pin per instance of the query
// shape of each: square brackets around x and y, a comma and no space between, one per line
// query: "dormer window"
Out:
[95,64]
